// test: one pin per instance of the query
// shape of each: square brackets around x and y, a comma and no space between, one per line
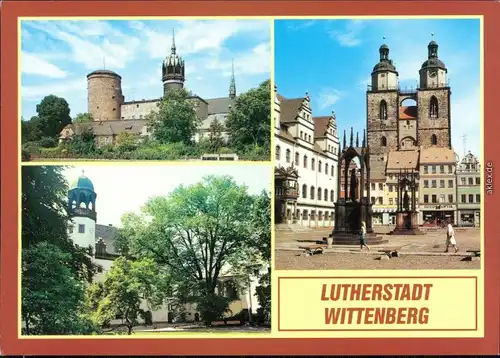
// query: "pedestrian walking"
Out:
[362,238]
[450,238]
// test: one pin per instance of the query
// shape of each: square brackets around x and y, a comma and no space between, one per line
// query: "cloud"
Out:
[349,37]
[35,92]
[33,65]
[328,97]
[301,25]
[192,37]
[87,43]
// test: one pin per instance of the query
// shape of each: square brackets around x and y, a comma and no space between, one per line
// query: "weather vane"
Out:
[432,34]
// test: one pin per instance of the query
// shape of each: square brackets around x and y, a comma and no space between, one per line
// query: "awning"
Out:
[383,210]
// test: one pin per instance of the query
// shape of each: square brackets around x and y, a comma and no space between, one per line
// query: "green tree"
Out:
[176,121]
[45,218]
[53,113]
[193,232]
[51,295]
[249,120]
[126,286]
[31,130]
[127,142]
[83,118]
[84,142]
[215,135]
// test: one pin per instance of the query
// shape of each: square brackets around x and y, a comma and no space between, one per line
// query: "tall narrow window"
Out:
[434,140]
[312,192]
[433,108]
[297,159]
[304,191]
[383,142]
[383,110]
[278,154]
[287,158]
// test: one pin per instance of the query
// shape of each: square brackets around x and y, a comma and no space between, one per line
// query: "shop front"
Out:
[469,218]
[384,216]
[438,215]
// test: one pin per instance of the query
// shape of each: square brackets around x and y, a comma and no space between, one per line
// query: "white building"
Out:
[306,156]
[85,232]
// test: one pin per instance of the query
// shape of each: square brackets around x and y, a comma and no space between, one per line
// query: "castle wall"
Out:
[139,109]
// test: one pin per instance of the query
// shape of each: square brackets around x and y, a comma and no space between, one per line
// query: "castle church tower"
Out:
[434,124]
[382,105]
[232,85]
[173,69]
[81,209]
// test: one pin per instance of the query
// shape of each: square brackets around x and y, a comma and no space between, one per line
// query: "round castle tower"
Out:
[81,209]
[104,91]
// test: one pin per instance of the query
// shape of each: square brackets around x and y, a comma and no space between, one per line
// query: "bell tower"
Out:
[232,85]
[434,122]
[81,209]
[382,105]
[173,69]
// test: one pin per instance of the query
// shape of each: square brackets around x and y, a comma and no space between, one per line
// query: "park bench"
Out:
[313,249]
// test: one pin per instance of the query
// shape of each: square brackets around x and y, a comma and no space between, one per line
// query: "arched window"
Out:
[319,193]
[304,191]
[383,142]
[320,165]
[333,170]
[305,161]
[325,197]
[434,140]
[312,192]
[433,108]
[313,164]
[332,196]
[278,152]
[297,159]
[326,168]
[383,110]
[287,158]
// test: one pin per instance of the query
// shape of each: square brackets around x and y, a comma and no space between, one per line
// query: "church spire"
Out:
[173,49]
[232,85]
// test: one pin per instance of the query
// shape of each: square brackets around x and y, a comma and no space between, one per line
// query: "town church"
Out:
[410,129]
[113,115]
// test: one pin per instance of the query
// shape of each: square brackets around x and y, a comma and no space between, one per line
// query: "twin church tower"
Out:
[394,126]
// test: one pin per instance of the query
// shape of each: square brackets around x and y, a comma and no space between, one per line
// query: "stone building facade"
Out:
[113,115]
[410,129]
[306,157]
[469,191]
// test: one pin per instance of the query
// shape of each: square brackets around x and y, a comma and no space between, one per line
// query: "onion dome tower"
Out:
[433,73]
[173,69]
[81,209]
[384,74]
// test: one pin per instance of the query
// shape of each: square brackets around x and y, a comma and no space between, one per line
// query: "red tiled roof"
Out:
[409,112]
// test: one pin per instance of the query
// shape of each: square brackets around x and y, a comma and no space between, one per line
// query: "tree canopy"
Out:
[83,118]
[53,113]
[194,233]
[249,121]
[176,119]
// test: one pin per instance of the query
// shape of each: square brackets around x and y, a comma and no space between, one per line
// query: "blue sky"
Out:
[333,59]
[58,54]
[115,197]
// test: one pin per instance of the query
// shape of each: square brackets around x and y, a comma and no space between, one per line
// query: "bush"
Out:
[47,142]
[212,307]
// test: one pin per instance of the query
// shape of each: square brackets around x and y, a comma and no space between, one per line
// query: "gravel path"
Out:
[288,260]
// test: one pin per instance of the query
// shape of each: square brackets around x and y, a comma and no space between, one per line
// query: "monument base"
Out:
[350,238]
[406,224]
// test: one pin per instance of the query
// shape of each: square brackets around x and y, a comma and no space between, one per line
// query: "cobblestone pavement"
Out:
[288,241]
[288,260]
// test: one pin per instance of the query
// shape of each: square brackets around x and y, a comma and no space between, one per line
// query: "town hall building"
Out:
[113,115]
[306,156]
